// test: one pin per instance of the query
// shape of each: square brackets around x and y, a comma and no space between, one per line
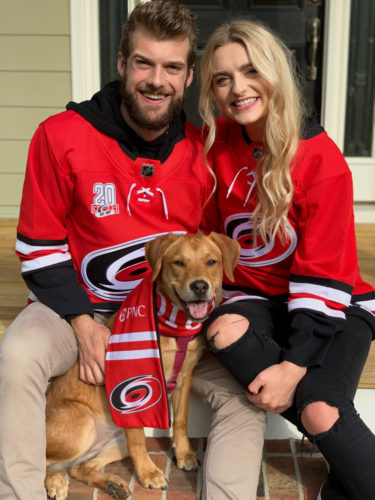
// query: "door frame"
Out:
[84,23]
[335,64]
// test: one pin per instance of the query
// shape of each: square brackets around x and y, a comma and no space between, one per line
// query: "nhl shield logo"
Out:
[147,170]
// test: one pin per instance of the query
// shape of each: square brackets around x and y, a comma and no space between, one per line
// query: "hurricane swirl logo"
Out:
[111,273]
[136,394]
[239,227]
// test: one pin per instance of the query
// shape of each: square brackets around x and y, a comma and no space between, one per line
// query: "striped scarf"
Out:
[135,384]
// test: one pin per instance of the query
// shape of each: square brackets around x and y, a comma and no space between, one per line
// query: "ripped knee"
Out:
[318,417]
[226,330]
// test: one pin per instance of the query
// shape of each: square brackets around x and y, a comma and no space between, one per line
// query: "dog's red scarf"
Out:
[135,384]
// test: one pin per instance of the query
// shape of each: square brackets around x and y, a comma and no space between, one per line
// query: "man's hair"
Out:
[162,19]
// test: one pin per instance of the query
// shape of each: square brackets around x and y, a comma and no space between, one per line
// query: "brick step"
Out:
[291,469]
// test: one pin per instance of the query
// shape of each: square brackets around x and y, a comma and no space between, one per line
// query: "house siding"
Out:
[35,82]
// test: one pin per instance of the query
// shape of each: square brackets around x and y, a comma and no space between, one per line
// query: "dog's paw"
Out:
[117,490]
[154,479]
[57,485]
[187,461]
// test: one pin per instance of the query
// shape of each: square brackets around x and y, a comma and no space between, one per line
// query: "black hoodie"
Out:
[103,112]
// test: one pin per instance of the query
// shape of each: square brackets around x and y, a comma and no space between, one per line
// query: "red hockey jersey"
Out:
[87,202]
[316,271]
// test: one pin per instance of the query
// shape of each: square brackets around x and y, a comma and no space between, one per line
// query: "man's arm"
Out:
[92,339]
[57,288]
[43,248]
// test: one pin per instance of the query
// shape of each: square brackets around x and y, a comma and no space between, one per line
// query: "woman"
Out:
[296,326]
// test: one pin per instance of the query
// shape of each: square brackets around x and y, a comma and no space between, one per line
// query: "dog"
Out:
[81,434]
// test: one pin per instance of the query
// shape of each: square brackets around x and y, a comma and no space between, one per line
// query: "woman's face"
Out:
[240,93]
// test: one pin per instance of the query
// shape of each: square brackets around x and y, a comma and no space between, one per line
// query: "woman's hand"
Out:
[92,338]
[273,388]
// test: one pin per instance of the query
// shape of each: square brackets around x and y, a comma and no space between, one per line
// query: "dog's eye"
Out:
[179,263]
[211,262]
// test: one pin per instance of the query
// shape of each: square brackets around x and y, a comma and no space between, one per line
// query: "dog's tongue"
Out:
[198,310]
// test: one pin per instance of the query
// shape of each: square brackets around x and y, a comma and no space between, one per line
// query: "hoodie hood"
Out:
[103,112]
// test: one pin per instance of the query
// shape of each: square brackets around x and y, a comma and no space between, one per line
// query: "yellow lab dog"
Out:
[81,435]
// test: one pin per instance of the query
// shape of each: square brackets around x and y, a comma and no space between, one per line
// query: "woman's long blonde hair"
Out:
[272,60]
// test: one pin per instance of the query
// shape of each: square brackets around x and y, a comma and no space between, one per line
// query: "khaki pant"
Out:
[235,443]
[39,345]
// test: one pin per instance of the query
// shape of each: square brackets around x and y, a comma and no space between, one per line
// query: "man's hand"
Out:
[273,389]
[92,339]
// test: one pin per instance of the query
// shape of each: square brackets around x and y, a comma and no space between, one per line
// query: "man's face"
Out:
[154,80]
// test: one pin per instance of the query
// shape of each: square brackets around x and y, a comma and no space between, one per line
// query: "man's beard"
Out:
[142,119]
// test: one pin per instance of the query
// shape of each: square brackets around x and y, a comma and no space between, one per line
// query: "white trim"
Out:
[364,213]
[363,170]
[84,43]
[335,68]
[133,3]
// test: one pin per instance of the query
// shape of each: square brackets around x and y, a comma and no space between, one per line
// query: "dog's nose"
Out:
[199,287]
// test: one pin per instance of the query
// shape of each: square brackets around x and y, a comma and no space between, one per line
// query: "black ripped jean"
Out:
[349,446]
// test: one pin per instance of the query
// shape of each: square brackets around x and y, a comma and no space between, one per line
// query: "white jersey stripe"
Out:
[33,297]
[366,304]
[231,297]
[322,291]
[128,355]
[45,261]
[132,337]
[26,249]
[314,305]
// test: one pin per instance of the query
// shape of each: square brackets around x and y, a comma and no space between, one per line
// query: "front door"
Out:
[299,23]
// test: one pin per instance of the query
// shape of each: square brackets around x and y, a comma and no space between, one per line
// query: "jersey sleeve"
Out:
[42,243]
[325,268]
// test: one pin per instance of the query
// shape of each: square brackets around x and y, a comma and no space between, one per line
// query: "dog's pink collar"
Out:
[182,345]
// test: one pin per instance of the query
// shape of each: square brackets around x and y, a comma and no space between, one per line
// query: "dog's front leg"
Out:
[185,457]
[149,475]
[57,485]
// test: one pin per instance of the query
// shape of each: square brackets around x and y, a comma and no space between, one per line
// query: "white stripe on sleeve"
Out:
[322,291]
[314,305]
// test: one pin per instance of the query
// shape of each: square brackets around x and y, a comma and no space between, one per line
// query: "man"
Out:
[102,178]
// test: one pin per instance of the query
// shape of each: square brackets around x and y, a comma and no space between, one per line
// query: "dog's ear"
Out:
[230,250]
[155,250]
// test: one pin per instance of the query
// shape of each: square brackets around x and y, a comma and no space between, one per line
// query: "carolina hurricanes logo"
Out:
[111,273]
[104,202]
[136,394]
[240,228]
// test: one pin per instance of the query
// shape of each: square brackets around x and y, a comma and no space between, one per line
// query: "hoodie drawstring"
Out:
[148,192]
[128,199]
[251,183]
[164,202]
